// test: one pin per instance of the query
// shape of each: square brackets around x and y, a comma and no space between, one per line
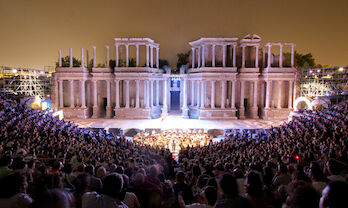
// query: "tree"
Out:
[183,59]
[162,63]
[66,62]
[304,60]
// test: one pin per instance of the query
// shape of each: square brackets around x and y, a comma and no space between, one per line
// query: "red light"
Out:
[297,157]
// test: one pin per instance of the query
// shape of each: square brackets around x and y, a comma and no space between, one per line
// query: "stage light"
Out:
[14,71]
[340,69]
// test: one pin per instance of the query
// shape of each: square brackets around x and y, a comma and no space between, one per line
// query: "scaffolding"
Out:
[324,82]
[26,82]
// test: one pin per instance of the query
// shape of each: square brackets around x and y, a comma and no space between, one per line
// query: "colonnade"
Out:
[281,45]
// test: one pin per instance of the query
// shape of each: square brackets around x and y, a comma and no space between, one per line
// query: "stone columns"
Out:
[157,92]
[192,93]
[233,94]
[107,56]
[127,55]
[184,99]
[137,93]
[127,93]
[61,98]
[83,94]
[281,56]
[269,56]
[108,99]
[223,93]
[255,95]
[151,53]
[95,101]
[137,55]
[72,105]
[147,94]
[71,58]
[257,57]
[147,56]
[292,56]
[157,58]
[193,57]
[117,89]
[82,58]
[198,94]
[94,56]
[212,96]
[279,94]
[117,57]
[234,55]
[241,101]
[268,94]
[213,55]
[203,56]
[199,57]
[151,93]
[60,58]
[243,56]
[202,93]
[224,55]
[290,94]
[165,106]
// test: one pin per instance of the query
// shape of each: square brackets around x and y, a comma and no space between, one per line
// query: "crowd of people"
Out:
[47,162]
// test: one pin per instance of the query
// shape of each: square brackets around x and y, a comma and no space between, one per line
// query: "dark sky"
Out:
[32,31]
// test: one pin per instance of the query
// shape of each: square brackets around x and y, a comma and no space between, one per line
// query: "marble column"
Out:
[60,58]
[117,91]
[233,94]
[107,56]
[202,94]
[292,56]
[82,58]
[192,93]
[198,94]
[127,55]
[95,101]
[71,58]
[254,109]
[212,95]
[151,53]
[241,101]
[279,94]
[268,94]
[72,105]
[223,93]
[137,55]
[213,55]
[127,93]
[193,58]
[203,56]
[157,58]
[165,91]
[157,92]
[61,98]
[151,93]
[94,56]
[117,57]
[224,55]
[184,98]
[83,93]
[234,55]
[290,94]
[199,57]
[147,56]
[269,56]
[281,56]
[137,93]
[108,99]
[147,94]
[243,56]
[256,56]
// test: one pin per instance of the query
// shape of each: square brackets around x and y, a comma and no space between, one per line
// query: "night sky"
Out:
[32,31]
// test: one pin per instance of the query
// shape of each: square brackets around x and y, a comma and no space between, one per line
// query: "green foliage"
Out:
[162,63]
[112,63]
[304,60]
[66,62]
[183,59]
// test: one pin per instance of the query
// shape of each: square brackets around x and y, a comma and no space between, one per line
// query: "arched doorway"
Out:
[303,103]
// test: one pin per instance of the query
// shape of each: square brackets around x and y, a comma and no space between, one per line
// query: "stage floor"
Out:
[176,122]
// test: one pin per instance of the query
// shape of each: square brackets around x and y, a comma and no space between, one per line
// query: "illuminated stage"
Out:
[176,122]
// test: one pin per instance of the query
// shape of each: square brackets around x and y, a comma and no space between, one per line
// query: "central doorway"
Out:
[175,95]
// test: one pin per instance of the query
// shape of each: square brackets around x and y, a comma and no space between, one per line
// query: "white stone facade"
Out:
[227,79]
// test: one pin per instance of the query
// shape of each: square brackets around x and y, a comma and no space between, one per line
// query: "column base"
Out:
[185,112]
[241,111]
[165,111]
[254,112]
[108,112]
[95,112]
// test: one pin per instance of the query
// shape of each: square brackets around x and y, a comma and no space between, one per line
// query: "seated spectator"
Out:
[54,198]
[210,197]
[335,195]
[302,195]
